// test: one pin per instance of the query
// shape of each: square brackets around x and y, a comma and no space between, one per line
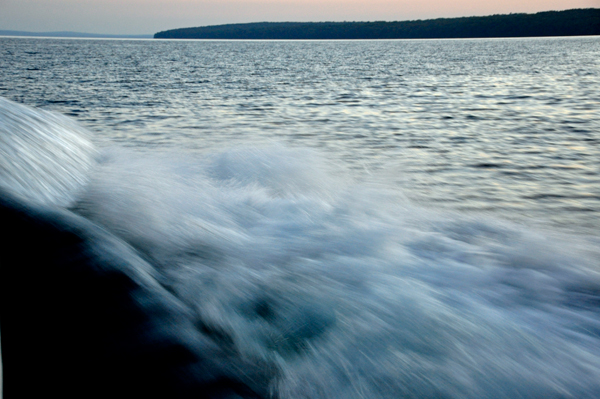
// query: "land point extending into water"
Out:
[576,22]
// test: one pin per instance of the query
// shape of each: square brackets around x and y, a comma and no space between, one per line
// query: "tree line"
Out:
[574,22]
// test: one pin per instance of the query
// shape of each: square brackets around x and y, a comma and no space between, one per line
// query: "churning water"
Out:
[397,219]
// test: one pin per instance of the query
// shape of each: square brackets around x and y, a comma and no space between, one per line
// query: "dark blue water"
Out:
[370,219]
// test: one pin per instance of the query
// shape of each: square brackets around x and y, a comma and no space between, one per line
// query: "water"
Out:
[370,219]
[507,126]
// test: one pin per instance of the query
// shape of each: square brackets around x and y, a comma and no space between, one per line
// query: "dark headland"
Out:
[576,22]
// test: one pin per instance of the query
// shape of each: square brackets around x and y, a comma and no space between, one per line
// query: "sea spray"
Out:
[321,286]
[44,156]
[347,288]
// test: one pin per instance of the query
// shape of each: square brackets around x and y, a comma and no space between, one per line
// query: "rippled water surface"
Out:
[331,217]
[505,126]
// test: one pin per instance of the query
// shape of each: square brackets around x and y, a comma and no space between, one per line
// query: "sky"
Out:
[151,16]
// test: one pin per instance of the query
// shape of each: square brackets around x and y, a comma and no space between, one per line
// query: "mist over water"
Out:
[301,251]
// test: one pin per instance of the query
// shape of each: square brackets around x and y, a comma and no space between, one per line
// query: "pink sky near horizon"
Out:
[151,16]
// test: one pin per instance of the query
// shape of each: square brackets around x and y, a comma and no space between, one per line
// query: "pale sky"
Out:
[151,16]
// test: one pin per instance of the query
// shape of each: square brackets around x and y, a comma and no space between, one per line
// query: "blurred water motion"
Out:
[271,272]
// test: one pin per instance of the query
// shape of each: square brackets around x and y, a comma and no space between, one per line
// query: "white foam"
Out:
[349,289]
[44,157]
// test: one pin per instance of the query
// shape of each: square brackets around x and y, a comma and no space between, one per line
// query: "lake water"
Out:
[505,126]
[412,218]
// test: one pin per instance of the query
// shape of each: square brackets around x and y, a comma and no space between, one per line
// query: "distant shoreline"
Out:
[575,22]
[71,35]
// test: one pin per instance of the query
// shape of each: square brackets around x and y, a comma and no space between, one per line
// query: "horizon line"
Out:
[74,34]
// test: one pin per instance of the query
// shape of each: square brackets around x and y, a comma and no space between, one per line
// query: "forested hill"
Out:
[575,22]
